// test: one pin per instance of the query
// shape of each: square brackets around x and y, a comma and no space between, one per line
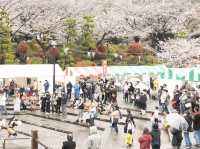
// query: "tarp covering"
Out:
[113,70]
[31,71]
[189,74]
[124,70]
[84,71]
[40,71]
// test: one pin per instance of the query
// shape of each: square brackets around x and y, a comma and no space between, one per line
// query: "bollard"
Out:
[34,143]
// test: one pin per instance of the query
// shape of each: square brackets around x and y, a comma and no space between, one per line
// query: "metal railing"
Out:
[10,139]
[35,142]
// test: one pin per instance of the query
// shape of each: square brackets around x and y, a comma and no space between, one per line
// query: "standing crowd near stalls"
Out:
[23,97]
[180,114]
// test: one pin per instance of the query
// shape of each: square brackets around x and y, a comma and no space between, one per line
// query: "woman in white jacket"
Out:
[17,103]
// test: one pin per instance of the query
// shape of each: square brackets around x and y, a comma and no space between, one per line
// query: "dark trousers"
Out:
[155,146]
[48,106]
[126,97]
[69,94]
[58,105]
[43,106]
[176,138]
[23,105]
[115,125]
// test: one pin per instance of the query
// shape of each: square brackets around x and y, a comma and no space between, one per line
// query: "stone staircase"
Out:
[10,105]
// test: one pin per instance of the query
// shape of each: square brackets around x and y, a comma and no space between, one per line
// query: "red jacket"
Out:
[145,141]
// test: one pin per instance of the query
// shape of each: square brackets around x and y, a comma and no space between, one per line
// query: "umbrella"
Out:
[176,121]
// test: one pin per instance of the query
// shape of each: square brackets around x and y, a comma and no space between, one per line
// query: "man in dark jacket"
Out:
[69,90]
[69,144]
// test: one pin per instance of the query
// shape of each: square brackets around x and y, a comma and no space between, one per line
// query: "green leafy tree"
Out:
[87,33]
[6,50]
[71,32]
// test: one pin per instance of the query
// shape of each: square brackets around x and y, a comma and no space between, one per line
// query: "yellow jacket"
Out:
[129,139]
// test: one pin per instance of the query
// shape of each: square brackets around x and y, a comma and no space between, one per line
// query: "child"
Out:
[129,139]
[145,140]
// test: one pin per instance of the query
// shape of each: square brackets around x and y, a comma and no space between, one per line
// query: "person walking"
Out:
[125,91]
[145,140]
[69,90]
[46,86]
[77,91]
[129,123]
[196,125]
[2,103]
[155,133]
[63,103]
[69,144]
[115,116]
[164,100]
[188,118]
[94,139]
[129,139]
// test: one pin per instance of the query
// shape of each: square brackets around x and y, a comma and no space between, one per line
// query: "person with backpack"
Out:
[145,140]
[155,133]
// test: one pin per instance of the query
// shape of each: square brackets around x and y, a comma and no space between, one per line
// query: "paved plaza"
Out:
[53,129]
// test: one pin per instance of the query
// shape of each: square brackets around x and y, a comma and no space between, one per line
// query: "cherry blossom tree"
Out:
[112,17]
[180,51]
[116,17]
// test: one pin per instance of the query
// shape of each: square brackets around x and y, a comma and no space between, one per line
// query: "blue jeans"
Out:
[197,136]
[164,107]
[187,139]
[2,109]
[182,108]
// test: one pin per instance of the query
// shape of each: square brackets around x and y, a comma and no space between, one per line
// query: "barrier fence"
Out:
[35,142]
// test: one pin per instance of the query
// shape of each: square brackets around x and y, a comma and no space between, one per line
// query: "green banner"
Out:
[191,75]
[162,75]
[198,76]
[180,77]
[170,74]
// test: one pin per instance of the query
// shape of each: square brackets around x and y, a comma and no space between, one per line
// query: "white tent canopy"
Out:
[37,71]
[40,71]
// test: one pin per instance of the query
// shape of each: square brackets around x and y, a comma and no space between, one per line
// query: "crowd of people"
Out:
[94,97]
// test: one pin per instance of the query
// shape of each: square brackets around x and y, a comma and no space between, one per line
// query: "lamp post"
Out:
[53,44]
[65,52]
